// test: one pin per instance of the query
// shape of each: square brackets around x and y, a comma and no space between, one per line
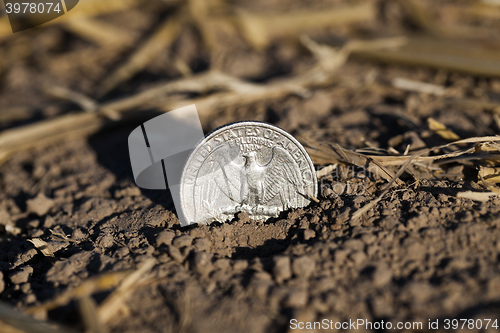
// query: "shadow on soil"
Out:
[111,147]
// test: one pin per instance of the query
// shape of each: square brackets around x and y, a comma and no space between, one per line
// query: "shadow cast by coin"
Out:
[110,146]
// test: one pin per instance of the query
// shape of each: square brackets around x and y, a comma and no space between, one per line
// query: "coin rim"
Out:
[237,124]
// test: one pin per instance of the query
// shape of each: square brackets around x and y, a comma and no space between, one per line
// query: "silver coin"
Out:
[250,167]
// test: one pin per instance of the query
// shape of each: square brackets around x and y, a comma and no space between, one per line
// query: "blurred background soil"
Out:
[357,74]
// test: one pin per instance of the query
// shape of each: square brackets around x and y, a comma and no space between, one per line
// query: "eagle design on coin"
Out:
[247,167]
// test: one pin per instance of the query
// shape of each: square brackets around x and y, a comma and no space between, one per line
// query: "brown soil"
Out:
[421,254]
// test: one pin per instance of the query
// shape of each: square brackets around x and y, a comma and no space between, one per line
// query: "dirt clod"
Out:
[182,241]
[165,237]
[40,205]
[22,275]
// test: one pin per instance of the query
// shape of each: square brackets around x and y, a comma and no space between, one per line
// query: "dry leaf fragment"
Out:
[312,197]
[259,30]
[374,202]
[62,236]
[116,301]
[412,85]
[86,103]
[487,147]
[25,323]
[91,320]
[478,196]
[42,246]
[441,130]
[100,32]
[324,154]
[325,171]
[331,58]
[491,150]
[159,41]
[87,288]
[461,56]
[490,174]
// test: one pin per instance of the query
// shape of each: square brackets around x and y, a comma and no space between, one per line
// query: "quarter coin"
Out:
[247,166]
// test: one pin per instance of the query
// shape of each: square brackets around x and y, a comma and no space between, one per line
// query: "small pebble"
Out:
[354,244]
[240,265]
[78,234]
[368,238]
[382,275]
[165,237]
[262,275]
[106,241]
[30,299]
[128,192]
[222,264]
[202,244]
[303,266]
[122,252]
[181,241]
[25,288]
[201,263]
[296,299]
[256,264]
[358,257]
[281,270]
[175,253]
[308,234]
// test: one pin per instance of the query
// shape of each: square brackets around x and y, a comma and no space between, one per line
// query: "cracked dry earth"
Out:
[420,254]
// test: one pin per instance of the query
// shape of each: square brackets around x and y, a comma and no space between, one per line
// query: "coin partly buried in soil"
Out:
[250,167]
